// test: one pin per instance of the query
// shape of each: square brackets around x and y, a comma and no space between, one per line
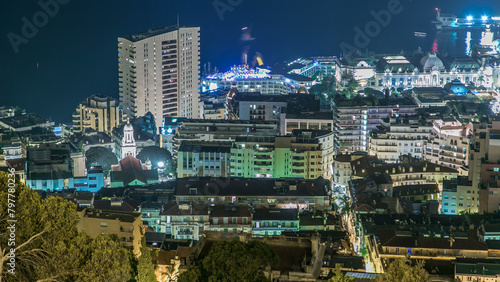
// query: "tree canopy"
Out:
[338,276]
[48,245]
[100,156]
[403,270]
[227,261]
[157,156]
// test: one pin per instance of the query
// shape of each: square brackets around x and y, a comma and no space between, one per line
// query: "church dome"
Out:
[432,62]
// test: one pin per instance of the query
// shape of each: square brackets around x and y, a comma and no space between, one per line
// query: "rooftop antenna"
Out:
[177,20]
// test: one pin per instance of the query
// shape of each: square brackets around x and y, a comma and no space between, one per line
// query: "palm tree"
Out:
[170,274]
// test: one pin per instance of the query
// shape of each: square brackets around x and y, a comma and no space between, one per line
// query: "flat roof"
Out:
[153,32]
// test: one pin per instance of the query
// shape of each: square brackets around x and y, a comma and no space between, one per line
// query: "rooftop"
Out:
[209,187]
[153,32]
[112,215]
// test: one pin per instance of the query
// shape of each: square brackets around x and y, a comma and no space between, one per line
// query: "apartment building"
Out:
[355,120]
[159,73]
[276,157]
[449,144]
[204,158]
[399,136]
[99,113]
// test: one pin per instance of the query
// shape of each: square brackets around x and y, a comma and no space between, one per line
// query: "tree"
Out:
[228,260]
[170,274]
[403,270]
[105,260]
[338,276]
[100,156]
[48,246]
[156,155]
[145,266]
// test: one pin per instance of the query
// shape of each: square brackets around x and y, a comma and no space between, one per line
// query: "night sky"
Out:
[76,51]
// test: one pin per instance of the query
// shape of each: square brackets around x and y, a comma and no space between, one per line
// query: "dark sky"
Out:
[76,51]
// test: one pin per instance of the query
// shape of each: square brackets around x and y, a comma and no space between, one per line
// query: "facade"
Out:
[354,123]
[213,110]
[163,81]
[151,214]
[260,107]
[449,144]
[306,121]
[126,225]
[274,221]
[399,136]
[49,168]
[483,164]
[411,172]
[93,181]
[99,113]
[487,270]
[342,170]
[203,158]
[326,139]
[185,221]
[276,157]
[395,244]
[418,70]
[431,72]
[459,197]
[231,219]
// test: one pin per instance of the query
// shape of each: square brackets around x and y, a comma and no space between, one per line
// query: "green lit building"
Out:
[276,157]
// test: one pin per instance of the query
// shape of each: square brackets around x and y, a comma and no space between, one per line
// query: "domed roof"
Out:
[128,126]
[432,62]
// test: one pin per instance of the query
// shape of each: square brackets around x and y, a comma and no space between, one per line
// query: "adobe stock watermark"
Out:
[30,27]
[223,6]
[381,19]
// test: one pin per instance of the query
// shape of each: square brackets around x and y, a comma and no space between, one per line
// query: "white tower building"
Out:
[129,147]
[159,72]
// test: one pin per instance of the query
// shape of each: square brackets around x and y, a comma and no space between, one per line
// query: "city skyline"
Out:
[69,72]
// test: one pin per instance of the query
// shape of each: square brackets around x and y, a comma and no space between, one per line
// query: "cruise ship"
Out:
[452,22]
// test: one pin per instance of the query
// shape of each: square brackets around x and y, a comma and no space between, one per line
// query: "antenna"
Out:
[177,20]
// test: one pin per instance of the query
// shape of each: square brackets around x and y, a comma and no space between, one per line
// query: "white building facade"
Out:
[159,72]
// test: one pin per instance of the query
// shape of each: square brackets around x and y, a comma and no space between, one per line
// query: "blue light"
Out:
[469,18]
[484,18]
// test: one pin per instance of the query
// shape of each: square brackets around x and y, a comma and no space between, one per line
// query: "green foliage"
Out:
[106,260]
[364,252]
[227,261]
[403,270]
[155,155]
[100,156]
[338,276]
[145,267]
[48,244]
